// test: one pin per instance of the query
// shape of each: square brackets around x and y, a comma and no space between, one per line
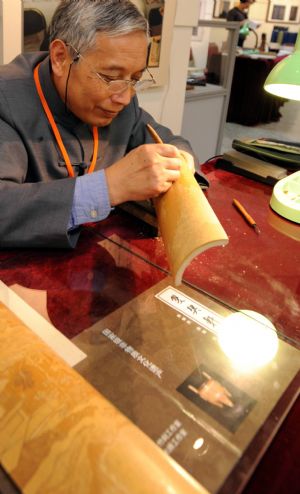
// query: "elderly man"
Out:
[74,111]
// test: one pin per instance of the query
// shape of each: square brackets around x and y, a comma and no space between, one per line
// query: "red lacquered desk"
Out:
[118,260]
[257,272]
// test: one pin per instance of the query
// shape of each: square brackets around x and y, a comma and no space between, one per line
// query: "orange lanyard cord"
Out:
[95,152]
[56,131]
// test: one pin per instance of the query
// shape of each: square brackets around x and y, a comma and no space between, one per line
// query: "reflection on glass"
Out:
[248,339]
[208,62]
[154,12]
[198,443]
[37,17]
[34,29]
[155,19]
[38,13]
[286,227]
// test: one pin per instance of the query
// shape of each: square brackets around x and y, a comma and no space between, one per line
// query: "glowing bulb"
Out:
[248,339]
[289,91]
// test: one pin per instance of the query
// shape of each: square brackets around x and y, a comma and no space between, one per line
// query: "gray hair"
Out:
[77,22]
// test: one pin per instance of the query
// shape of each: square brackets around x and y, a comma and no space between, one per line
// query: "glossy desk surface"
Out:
[119,259]
[257,272]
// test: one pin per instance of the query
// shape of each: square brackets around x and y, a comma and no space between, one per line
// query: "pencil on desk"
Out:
[246,215]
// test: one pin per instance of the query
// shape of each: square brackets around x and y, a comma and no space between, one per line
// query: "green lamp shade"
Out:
[284,79]
[244,30]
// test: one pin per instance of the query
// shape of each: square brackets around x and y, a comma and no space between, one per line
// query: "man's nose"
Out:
[124,97]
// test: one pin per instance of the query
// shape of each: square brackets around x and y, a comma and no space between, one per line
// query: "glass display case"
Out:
[200,367]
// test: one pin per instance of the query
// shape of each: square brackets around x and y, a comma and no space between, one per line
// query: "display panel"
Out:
[160,360]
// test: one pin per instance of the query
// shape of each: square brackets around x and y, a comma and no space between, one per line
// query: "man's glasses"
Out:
[118,86]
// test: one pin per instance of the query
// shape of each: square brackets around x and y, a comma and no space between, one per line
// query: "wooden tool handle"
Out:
[154,134]
[243,211]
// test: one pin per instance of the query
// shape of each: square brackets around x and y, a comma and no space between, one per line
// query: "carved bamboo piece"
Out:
[187,222]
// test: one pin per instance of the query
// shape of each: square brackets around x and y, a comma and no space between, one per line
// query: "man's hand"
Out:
[145,172]
[189,160]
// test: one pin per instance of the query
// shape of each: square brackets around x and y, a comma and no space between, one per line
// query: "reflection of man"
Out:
[239,14]
[213,392]
[64,115]
[155,18]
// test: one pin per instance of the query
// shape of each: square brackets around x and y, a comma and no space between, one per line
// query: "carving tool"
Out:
[154,134]
[246,215]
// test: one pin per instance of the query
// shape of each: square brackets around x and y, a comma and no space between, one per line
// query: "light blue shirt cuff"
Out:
[91,200]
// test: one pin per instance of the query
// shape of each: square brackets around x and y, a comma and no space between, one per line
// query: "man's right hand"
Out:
[144,173]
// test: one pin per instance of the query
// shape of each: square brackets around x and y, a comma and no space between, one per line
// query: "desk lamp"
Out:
[284,81]
[284,78]
[245,31]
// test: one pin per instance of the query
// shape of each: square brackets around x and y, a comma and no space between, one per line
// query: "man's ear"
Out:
[59,56]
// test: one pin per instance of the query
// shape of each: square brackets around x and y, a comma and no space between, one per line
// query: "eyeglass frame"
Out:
[136,85]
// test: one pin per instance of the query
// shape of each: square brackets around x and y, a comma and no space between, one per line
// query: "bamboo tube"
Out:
[187,222]
[59,435]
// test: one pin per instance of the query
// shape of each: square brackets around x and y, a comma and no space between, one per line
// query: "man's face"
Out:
[246,5]
[90,98]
